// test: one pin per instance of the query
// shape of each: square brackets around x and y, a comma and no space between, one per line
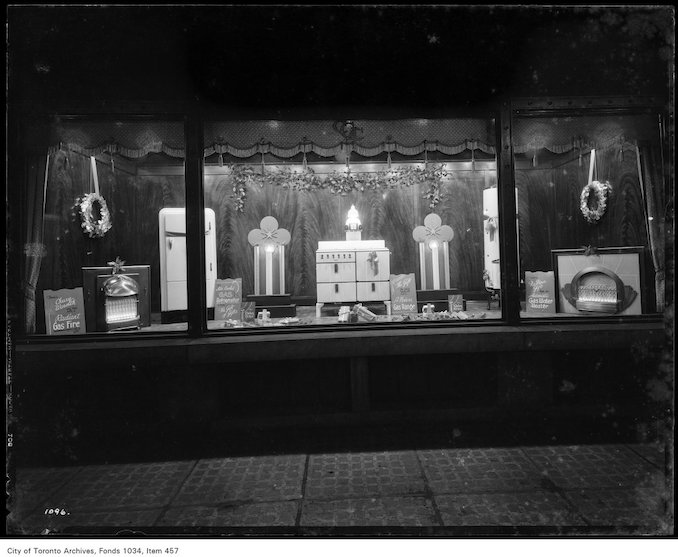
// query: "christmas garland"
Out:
[338,182]
[94,228]
[594,209]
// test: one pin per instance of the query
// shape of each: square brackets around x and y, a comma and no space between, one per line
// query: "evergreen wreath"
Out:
[593,208]
[94,228]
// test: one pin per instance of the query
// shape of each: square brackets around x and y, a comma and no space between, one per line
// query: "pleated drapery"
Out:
[34,248]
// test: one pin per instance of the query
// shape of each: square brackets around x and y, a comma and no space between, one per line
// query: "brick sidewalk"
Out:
[602,489]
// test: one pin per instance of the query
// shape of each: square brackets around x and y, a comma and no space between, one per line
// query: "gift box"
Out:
[363,312]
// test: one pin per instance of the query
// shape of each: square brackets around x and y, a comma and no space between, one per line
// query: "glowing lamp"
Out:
[353,225]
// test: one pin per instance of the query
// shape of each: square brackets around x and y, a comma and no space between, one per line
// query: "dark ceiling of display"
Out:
[318,56]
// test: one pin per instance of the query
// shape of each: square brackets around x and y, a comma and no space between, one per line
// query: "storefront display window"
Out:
[335,223]
[591,215]
[361,221]
[100,203]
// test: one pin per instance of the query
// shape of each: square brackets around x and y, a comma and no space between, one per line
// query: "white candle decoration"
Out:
[435,264]
[269,268]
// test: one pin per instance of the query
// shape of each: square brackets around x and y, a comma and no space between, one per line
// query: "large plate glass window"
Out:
[104,234]
[591,215]
[350,222]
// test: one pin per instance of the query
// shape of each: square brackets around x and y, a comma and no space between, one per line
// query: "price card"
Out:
[248,311]
[64,311]
[455,302]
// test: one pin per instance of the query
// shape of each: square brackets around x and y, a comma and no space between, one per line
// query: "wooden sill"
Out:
[180,350]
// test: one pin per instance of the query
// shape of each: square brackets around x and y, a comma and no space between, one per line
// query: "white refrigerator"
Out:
[173,276]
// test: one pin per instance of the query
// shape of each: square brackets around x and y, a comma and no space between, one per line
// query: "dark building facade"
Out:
[512,173]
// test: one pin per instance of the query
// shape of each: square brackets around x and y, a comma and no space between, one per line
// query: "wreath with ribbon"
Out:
[95,228]
[593,208]
[593,200]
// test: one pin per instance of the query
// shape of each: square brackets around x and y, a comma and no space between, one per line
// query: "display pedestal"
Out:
[436,297]
[279,305]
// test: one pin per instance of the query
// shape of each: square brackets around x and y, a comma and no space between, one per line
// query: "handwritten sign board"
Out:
[403,294]
[64,311]
[455,302]
[540,292]
[227,298]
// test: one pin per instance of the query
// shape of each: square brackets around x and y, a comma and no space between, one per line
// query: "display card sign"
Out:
[540,292]
[227,298]
[455,302]
[403,294]
[248,311]
[64,311]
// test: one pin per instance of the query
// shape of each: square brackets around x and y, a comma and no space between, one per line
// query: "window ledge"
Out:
[285,345]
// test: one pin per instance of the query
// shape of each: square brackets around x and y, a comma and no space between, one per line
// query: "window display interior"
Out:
[330,222]
[93,200]
[593,185]
[280,196]
[350,194]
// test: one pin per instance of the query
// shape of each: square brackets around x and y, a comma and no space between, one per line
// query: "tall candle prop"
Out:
[269,249]
[436,266]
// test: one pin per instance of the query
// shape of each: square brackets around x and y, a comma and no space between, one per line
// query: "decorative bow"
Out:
[433,230]
[268,234]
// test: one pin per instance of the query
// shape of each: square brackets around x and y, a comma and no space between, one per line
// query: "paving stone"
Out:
[538,508]
[279,513]
[121,486]
[596,466]
[357,475]
[384,511]
[265,478]
[654,452]
[649,509]
[479,470]
[78,521]
[31,486]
